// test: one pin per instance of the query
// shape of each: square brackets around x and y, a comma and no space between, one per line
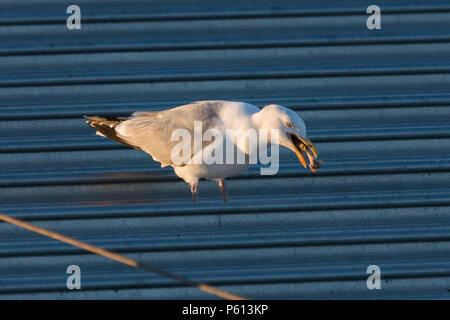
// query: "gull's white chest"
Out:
[215,164]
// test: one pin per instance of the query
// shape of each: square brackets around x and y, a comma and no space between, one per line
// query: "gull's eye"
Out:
[289,124]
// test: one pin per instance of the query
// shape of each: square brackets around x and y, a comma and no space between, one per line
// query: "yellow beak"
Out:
[300,157]
[310,146]
[306,145]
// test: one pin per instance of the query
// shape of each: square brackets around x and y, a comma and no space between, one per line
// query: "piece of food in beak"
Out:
[313,163]
[302,147]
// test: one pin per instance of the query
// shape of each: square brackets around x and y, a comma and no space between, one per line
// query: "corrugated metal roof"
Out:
[376,104]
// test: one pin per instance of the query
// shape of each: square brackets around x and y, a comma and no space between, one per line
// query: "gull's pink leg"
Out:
[222,189]
[194,190]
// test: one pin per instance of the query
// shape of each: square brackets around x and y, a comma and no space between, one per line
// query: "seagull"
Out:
[152,132]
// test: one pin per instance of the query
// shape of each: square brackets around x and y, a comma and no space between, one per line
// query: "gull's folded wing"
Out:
[152,131]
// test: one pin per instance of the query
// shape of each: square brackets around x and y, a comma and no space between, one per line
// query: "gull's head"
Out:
[292,132]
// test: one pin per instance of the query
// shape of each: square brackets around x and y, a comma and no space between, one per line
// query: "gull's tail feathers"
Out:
[106,127]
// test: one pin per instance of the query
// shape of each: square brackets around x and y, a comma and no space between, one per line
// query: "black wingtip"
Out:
[106,126]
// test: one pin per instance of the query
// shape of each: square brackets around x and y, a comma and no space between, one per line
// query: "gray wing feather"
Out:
[152,130]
